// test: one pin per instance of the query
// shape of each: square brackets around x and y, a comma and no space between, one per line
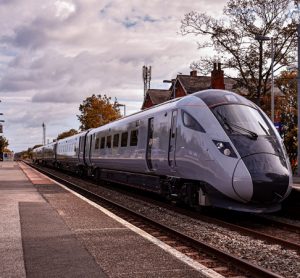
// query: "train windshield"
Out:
[242,119]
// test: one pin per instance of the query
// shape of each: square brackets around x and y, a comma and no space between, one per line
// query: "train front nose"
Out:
[270,177]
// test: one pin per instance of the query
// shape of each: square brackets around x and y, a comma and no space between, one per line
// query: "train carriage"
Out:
[212,148]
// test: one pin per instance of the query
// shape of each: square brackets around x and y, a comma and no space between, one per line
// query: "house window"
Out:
[116,141]
[124,139]
[134,138]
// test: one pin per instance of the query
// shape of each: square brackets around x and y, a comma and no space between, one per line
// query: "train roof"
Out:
[214,98]
[211,97]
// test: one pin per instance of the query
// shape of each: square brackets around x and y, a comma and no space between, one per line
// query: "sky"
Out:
[54,54]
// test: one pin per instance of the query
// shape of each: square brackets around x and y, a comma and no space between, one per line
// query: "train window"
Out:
[97,143]
[134,138]
[124,139]
[116,141]
[242,119]
[190,122]
[108,142]
[102,144]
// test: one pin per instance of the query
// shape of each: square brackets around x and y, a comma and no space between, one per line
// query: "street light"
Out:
[44,134]
[261,39]
[124,105]
[297,11]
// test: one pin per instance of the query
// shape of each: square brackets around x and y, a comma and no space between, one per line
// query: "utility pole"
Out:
[260,72]
[44,134]
[298,87]
[298,101]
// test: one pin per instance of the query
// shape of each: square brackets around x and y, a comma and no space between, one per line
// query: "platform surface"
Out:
[46,231]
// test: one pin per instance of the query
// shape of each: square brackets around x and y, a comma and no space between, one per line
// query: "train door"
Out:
[81,157]
[87,149]
[149,143]
[172,140]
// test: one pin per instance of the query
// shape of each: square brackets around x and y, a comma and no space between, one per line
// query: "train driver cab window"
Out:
[108,142]
[116,141]
[102,144]
[134,138]
[124,139]
[190,122]
[97,143]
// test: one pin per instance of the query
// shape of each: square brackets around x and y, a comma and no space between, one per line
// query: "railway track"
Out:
[220,261]
[264,228]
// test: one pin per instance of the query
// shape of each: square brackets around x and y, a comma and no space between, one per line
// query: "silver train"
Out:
[211,148]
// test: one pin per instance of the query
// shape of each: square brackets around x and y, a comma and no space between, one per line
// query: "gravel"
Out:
[270,256]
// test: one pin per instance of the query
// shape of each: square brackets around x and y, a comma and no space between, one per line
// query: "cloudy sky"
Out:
[53,54]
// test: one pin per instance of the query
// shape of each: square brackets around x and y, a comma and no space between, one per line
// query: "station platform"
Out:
[48,231]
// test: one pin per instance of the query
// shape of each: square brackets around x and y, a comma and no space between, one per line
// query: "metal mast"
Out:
[146,78]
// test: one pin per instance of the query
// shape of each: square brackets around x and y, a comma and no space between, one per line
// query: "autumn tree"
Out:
[97,110]
[3,144]
[286,107]
[67,133]
[232,38]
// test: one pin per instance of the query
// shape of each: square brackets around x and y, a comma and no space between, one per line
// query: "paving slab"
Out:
[48,231]
[34,240]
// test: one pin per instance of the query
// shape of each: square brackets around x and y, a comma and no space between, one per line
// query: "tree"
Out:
[287,107]
[3,144]
[67,133]
[97,110]
[233,40]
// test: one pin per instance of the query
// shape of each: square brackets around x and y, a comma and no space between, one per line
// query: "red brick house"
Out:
[155,96]
[183,85]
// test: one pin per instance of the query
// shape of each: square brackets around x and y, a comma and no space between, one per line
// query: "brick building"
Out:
[184,85]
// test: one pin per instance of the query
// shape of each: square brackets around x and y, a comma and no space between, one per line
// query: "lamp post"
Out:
[297,12]
[1,121]
[261,39]
[298,101]
[44,134]
[124,106]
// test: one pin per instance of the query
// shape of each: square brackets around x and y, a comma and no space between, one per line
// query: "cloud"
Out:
[54,54]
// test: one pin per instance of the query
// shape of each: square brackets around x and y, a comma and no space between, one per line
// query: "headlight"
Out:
[225,148]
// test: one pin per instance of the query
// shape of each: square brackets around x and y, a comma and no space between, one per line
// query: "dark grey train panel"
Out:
[270,177]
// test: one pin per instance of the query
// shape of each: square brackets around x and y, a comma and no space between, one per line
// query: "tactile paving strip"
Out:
[34,176]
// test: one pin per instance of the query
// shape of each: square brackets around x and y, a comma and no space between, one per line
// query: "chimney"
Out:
[193,73]
[217,77]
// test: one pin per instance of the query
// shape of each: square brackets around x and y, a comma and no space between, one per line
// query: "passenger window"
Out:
[97,143]
[102,145]
[108,142]
[124,139]
[190,122]
[134,138]
[116,141]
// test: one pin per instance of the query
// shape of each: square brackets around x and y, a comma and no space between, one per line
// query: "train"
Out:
[212,148]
